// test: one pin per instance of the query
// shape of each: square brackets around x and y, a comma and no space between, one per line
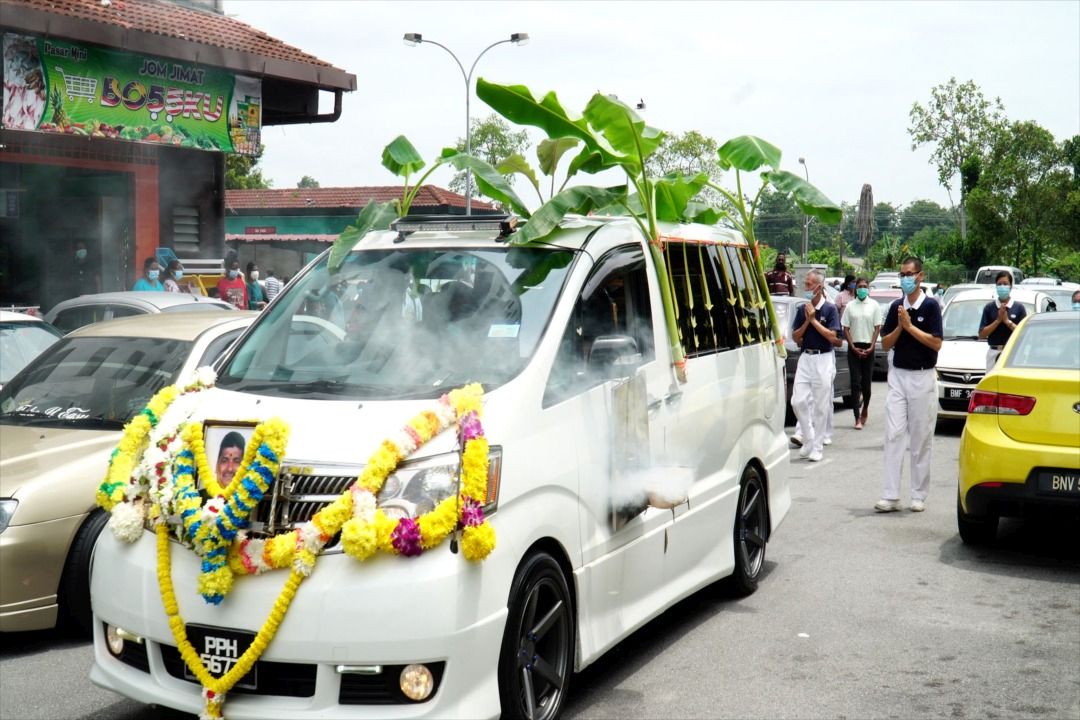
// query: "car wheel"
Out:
[74,594]
[751,534]
[538,644]
[974,529]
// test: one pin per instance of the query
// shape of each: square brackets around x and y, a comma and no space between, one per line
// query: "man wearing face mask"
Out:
[232,288]
[999,318]
[816,329]
[149,280]
[862,324]
[84,280]
[779,279]
[912,330]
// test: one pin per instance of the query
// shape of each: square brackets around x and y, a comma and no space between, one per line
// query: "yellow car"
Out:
[1020,450]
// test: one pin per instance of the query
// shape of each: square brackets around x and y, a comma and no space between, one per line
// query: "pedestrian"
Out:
[778,279]
[999,318]
[174,272]
[816,329]
[149,279]
[273,285]
[84,278]
[847,294]
[912,330]
[256,296]
[1076,301]
[862,325]
[232,288]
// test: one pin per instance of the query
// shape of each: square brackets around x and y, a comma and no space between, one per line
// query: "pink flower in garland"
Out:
[406,537]
[472,514]
[471,429]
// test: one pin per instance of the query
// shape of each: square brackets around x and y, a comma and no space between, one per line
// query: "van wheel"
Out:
[751,533]
[74,594]
[974,529]
[537,650]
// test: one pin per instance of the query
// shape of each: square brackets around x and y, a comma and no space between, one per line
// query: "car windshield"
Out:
[1051,345]
[96,382]
[21,342]
[403,323]
[961,317]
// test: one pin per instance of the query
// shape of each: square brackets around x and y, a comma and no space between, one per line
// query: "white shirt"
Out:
[860,318]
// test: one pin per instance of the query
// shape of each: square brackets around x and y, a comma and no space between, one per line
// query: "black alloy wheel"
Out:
[751,533]
[537,651]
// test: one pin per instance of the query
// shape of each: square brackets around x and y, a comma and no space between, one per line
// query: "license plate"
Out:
[958,393]
[1060,482]
[220,649]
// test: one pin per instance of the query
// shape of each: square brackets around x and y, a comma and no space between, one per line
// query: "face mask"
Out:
[808,294]
[908,285]
[851,286]
[80,254]
[1003,291]
[1076,306]
[233,274]
[153,274]
[254,274]
[178,274]
[862,293]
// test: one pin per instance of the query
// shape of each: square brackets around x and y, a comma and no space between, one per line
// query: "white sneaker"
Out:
[796,440]
[804,452]
[884,506]
[814,457]
[827,441]
[917,506]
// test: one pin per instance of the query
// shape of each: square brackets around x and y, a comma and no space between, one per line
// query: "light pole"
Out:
[414,39]
[806,218]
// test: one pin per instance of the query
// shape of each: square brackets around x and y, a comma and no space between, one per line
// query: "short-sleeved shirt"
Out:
[861,317]
[143,284]
[827,316]
[233,292]
[780,282]
[1001,334]
[909,353]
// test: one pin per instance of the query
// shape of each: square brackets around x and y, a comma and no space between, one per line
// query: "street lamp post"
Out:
[806,218]
[414,39]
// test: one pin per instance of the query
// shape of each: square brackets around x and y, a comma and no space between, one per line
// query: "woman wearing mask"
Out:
[149,280]
[862,325]
[256,296]
[232,288]
[847,293]
[1000,317]
[173,274]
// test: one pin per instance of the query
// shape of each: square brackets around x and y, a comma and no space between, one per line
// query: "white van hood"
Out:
[963,355]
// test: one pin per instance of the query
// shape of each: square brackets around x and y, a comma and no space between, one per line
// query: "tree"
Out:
[924,214]
[242,172]
[886,218]
[688,154]
[959,123]
[492,141]
[307,182]
[779,222]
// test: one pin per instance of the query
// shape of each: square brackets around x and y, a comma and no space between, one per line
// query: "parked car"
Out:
[1020,449]
[962,359]
[60,418]
[86,309]
[987,273]
[22,338]
[1040,281]
[786,306]
[953,290]
[559,335]
[1060,294]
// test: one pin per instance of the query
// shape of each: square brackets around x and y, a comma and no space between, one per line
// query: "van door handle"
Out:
[673,397]
[654,405]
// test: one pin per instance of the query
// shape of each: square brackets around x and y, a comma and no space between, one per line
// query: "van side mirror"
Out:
[614,356]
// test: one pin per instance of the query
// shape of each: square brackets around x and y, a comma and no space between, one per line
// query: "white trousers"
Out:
[992,355]
[910,415]
[811,397]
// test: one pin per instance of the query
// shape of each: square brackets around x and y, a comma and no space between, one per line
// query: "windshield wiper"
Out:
[961,337]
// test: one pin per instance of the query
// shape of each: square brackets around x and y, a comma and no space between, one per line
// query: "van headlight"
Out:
[417,487]
[7,510]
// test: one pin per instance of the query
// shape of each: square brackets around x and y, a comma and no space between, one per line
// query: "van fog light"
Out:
[114,640]
[417,682]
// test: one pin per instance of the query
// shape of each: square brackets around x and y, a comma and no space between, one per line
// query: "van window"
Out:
[756,303]
[614,302]
[750,323]
[706,321]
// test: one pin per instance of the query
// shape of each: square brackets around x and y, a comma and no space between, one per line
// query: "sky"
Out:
[832,82]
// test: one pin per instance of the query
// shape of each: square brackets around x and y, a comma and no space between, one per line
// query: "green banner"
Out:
[58,86]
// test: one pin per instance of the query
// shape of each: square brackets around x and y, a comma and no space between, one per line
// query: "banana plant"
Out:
[548,154]
[402,159]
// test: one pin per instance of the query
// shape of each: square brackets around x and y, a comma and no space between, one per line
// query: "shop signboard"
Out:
[57,86]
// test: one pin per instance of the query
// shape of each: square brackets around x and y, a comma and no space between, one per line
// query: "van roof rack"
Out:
[504,225]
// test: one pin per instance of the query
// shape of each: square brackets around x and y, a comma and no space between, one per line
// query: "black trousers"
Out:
[862,376]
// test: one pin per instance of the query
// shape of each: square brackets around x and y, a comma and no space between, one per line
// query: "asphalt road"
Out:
[859,615]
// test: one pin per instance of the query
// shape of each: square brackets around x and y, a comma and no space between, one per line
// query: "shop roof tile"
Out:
[342,197]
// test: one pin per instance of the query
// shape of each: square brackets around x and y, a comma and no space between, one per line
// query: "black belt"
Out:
[996,347]
[815,352]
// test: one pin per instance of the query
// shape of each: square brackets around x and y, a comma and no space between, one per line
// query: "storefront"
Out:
[116,121]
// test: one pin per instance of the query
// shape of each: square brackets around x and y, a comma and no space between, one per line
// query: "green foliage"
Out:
[924,214]
[307,182]
[494,142]
[580,199]
[242,172]
[375,216]
[886,218]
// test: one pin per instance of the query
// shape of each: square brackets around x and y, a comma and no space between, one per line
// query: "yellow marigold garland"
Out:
[132,442]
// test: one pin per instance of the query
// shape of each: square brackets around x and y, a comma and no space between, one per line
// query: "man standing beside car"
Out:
[999,318]
[779,279]
[816,329]
[912,330]
[862,325]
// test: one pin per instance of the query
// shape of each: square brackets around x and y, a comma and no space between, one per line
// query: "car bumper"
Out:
[1000,476]
[31,563]
[386,611]
[953,398]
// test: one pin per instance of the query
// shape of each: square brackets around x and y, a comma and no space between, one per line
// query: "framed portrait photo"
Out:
[226,443]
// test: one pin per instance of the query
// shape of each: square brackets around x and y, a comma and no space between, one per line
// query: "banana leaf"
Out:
[674,192]
[488,180]
[624,130]
[517,165]
[551,150]
[401,158]
[580,199]
[810,200]
[748,153]
[374,216]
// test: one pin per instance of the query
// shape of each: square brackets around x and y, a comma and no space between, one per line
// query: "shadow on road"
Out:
[1023,547]
[18,644]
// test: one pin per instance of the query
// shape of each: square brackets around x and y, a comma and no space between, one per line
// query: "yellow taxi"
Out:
[1020,449]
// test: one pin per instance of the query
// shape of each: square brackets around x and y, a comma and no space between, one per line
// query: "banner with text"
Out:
[77,89]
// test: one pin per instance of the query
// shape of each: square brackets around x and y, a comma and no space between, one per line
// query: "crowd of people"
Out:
[243,290]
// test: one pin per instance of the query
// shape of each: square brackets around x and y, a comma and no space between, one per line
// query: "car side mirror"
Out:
[614,356]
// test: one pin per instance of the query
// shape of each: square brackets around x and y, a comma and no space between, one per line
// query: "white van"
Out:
[614,490]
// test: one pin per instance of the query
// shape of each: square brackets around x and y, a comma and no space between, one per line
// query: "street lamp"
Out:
[414,39]
[806,218]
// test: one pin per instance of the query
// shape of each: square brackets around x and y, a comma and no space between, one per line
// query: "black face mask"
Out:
[780,265]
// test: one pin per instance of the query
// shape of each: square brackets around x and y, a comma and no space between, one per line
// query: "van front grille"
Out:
[297,495]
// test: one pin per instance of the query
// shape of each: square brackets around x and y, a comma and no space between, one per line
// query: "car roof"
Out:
[157,299]
[987,292]
[8,316]
[1065,318]
[172,326]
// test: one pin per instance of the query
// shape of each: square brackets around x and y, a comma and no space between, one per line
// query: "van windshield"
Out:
[403,323]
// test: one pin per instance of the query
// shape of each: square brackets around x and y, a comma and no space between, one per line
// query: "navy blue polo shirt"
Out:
[1000,336]
[909,353]
[828,316]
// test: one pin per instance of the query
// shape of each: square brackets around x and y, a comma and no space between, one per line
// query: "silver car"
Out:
[86,309]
